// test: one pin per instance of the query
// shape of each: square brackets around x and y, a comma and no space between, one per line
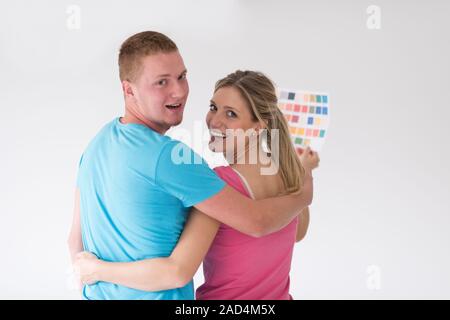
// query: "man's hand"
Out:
[86,267]
[309,159]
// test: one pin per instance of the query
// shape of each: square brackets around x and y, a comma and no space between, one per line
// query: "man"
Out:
[133,198]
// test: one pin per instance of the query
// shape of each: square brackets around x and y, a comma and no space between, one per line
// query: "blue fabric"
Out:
[135,196]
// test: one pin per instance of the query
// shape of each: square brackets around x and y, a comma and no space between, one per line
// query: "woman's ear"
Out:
[260,126]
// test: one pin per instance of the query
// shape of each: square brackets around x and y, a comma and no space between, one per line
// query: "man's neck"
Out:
[129,117]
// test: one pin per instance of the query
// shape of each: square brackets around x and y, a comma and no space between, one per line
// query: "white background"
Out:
[381,193]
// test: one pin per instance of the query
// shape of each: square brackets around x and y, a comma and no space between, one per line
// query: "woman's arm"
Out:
[157,274]
[303,224]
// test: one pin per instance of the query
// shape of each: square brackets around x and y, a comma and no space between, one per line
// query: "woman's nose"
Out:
[215,122]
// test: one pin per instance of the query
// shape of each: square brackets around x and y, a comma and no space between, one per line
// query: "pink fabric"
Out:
[238,266]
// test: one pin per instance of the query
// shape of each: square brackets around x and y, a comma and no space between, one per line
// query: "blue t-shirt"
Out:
[136,190]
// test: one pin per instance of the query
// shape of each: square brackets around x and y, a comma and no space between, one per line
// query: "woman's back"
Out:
[260,186]
[238,266]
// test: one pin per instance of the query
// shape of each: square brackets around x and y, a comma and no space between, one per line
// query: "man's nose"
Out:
[179,90]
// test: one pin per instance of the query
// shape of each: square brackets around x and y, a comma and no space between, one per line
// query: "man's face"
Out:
[161,90]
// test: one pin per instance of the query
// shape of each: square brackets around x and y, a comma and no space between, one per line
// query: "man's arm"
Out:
[74,241]
[257,217]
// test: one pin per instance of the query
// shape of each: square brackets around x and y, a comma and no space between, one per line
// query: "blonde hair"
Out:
[259,92]
[138,46]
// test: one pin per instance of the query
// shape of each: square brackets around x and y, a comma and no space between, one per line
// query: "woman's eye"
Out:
[231,114]
[212,107]
[162,82]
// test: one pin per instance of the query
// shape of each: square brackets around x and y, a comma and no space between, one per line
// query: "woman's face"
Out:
[228,110]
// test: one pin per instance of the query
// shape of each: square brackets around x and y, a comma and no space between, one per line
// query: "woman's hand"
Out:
[309,159]
[86,266]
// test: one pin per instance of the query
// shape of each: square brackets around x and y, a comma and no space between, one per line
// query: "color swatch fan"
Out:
[308,115]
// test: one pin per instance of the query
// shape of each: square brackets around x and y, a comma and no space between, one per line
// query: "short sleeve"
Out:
[185,175]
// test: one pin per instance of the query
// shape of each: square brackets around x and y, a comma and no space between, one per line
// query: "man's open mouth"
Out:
[173,106]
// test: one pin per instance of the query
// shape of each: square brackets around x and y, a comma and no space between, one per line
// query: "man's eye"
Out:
[212,107]
[183,76]
[231,114]
[162,82]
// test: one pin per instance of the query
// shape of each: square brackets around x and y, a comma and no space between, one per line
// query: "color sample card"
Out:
[308,116]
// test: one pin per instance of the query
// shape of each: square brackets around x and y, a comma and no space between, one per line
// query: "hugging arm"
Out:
[257,217]
[157,274]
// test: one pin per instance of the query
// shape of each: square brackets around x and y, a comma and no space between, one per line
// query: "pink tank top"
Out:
[242,267]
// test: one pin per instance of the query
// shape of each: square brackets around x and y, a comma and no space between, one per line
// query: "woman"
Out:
[236,266]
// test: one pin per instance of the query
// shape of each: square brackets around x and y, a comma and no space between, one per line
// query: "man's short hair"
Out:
[139,46]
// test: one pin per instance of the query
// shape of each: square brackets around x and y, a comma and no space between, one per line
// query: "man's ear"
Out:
[127,89]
